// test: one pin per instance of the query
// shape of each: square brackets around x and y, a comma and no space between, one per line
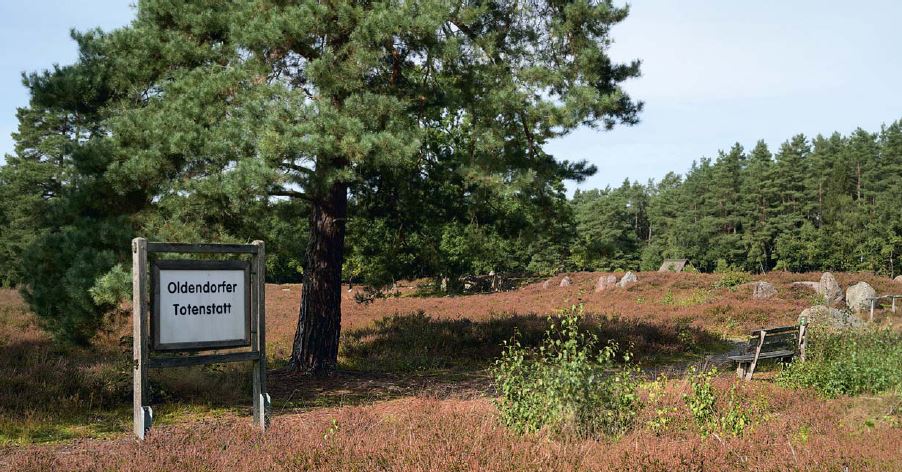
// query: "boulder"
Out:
[566,281]
[831,317]
[605,282]
[858,297]
[898,279]
[546,284]
[628,278]
[763,290]
[812,285]
[829,289]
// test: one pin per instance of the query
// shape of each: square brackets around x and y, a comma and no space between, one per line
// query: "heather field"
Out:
[415,389]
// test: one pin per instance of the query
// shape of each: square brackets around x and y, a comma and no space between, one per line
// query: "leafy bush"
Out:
[663,413]
[735,417]
[732,279]
[848,362]
[702,400]
[567,384]
[667,299]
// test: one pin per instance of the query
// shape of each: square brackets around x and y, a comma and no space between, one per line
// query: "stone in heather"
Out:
[763,290]
[566,281]
[829,289]
[628,278]
[898,279]
[546,284]
[812,285]
[831,317]
[605,282]
[859,296]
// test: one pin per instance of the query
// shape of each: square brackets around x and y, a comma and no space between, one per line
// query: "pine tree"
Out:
[67,225]
[664,205]
[319,102]
[824,181]
[864,157]
[726,198]
[794,200]
[759,197]
[610,224]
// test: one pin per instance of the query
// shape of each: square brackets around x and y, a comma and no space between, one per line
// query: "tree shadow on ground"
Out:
[49,392]
[416,354]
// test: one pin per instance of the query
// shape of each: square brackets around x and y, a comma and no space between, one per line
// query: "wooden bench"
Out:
[783,343]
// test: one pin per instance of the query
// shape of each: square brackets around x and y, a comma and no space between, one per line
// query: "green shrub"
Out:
[664,414]
[735,417]
[731,280]
[702,399]
[667,299]
[113,287]
[848,362]
[567,384]
[731,416]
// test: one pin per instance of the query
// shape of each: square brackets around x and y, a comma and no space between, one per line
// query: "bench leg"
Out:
[741,369]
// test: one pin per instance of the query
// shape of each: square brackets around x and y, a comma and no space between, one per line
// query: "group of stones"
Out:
[604,282]
[839,308]
[857,297]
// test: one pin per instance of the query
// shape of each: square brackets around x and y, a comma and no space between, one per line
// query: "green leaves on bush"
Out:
[733,417]
[732,279]
[848,362]
[736,417]
[566,385]
[702,399]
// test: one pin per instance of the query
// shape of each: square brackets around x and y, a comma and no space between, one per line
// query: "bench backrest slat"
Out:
[776,339]
[782,329]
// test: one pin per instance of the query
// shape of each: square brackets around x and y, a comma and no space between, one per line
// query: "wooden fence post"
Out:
[141,416]
[258,339]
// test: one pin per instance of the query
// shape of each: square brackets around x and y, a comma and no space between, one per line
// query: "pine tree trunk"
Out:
[315,348]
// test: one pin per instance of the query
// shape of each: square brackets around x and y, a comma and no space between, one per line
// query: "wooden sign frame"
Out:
[144,344]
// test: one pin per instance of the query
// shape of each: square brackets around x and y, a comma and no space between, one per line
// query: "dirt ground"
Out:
[414,393]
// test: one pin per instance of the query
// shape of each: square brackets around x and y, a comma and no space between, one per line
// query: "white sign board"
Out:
[201,304]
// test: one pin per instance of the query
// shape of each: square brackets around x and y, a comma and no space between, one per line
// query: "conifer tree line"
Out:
[827,203]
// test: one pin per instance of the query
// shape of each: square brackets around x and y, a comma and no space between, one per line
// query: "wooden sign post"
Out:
[192,306]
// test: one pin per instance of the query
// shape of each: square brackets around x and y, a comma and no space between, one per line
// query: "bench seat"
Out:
[763,355]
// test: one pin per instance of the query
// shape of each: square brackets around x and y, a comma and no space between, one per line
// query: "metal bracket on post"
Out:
[266,403]
[148,418]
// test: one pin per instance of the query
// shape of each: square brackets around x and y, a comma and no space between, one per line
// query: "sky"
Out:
[713,73]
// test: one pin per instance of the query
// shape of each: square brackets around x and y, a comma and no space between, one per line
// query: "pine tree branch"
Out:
[296,168]
[280,192]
